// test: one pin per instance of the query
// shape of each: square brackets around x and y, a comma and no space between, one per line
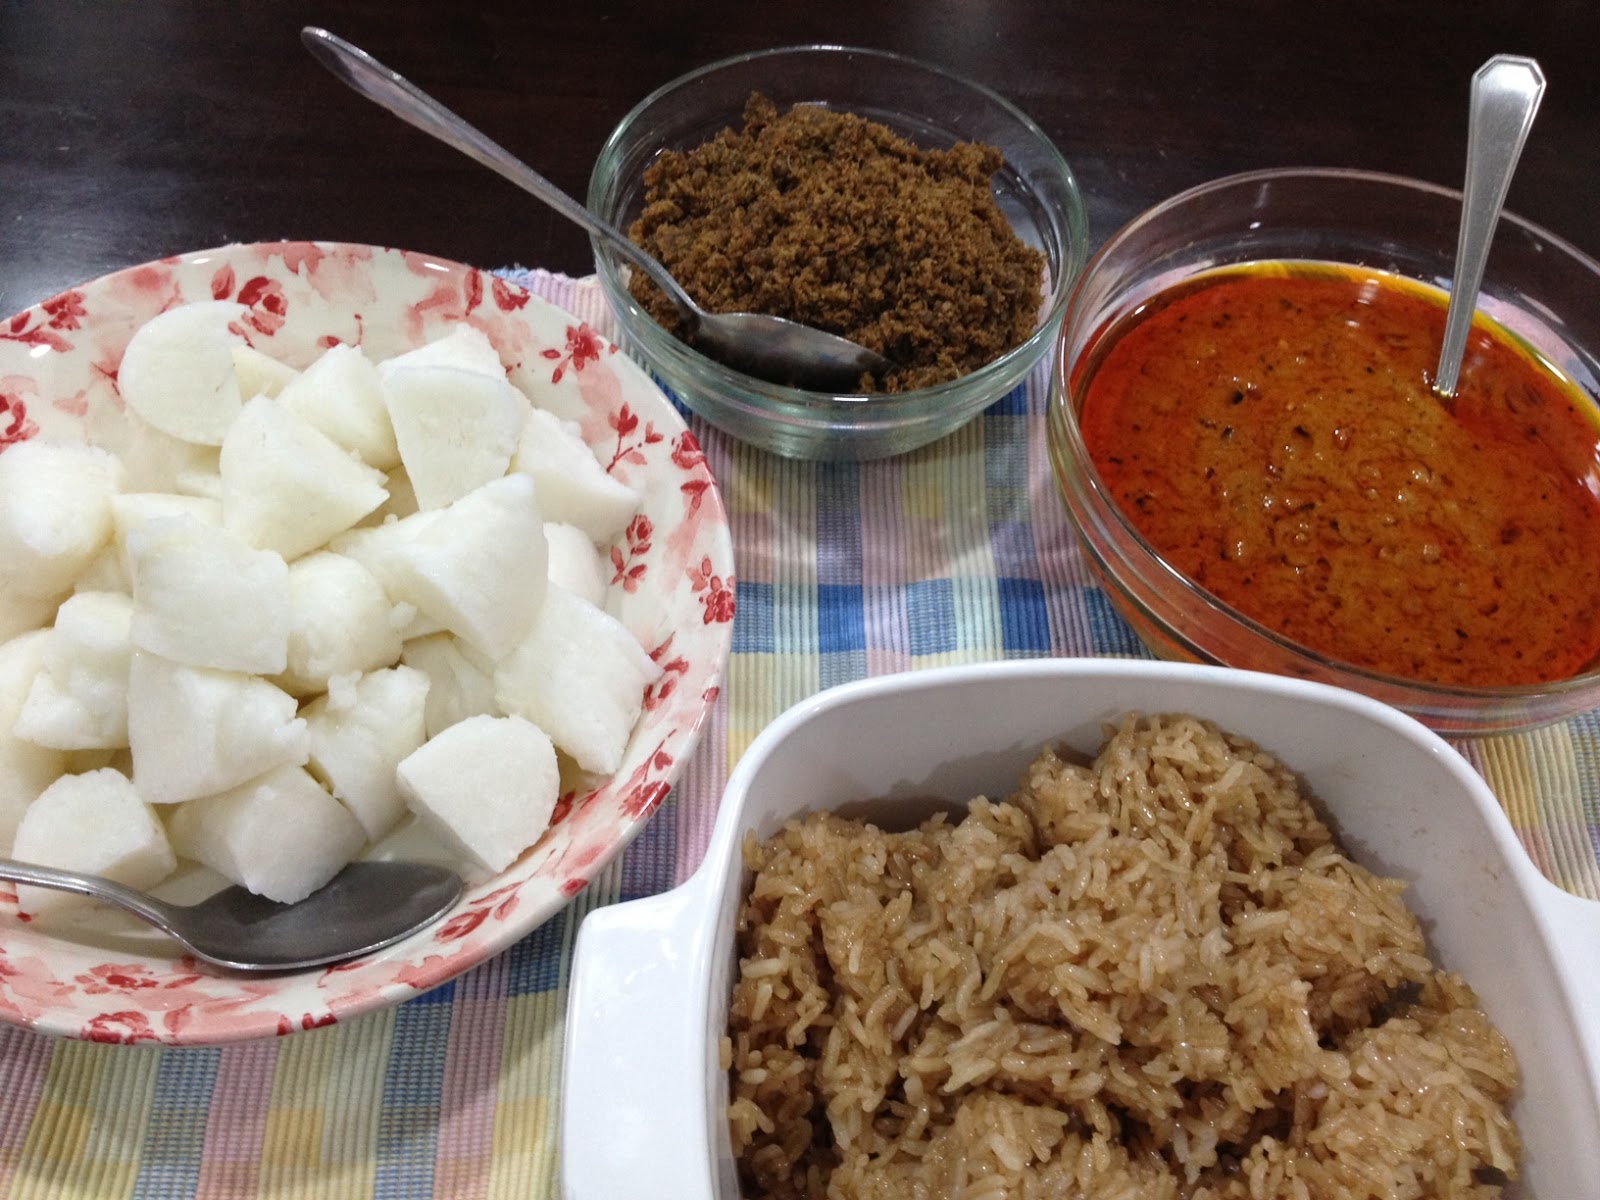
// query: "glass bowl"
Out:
[1541,289]
[1035,189]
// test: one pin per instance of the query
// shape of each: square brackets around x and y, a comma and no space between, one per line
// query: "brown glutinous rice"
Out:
[1155,975]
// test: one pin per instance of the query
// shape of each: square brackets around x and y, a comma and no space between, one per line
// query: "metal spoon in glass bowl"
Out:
[767,347]
[1505,97]
[365,907]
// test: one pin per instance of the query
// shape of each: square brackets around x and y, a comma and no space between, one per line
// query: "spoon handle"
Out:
[96,887]
[1505,97]
[400,96]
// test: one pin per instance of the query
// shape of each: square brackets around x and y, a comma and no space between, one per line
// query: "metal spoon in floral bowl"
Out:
[767,347]
[365,907]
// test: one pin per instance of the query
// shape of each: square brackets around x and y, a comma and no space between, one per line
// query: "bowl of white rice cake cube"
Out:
[315,552]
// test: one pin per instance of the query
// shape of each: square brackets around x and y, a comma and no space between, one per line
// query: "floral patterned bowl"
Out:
[672,585]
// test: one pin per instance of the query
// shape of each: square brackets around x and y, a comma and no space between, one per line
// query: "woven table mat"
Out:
[957,553]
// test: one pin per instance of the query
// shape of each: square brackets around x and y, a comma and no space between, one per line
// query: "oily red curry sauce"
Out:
[1271,432]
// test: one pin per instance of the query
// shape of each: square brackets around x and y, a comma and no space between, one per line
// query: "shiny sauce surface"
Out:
[1271,432]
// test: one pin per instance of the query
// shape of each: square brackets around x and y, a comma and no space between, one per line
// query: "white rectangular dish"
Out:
[644,1099]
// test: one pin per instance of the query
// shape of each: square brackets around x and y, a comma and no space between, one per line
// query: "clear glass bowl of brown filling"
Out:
[1243,427]
[860,191]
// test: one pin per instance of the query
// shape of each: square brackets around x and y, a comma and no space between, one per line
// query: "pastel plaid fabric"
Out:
[957,553]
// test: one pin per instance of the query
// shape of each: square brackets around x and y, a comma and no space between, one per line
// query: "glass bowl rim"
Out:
[755,396]
[1307,173]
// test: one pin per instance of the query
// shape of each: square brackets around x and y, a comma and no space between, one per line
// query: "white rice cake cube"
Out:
[343,395]
[158,462]
[26,768]
[340,621]
[465,348]
[204,597]
[460,680]
[573,487]
[289,487]
[132,510]
[79,699]
[55,513]
[579,675]
[456,429]
[477,568]
[97,824]
[575,562]
[489,784]
[177,372]
[281,834]
[359,733]
[194,731]
[260,374]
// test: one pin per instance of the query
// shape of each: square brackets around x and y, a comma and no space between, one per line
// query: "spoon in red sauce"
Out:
[1506,92]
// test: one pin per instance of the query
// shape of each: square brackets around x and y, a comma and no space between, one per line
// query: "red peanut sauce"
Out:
[1271,432]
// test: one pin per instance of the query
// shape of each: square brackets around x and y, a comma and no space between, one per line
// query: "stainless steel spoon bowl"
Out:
[1506,92]
[770,348]
[365,907]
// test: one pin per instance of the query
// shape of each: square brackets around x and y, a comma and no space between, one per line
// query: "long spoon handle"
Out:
[400,96]
[1505,97]
[97,887]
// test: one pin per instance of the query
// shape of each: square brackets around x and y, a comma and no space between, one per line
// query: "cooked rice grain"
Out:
[1151,976]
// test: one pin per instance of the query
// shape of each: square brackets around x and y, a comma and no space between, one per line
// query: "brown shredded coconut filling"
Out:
[835,221]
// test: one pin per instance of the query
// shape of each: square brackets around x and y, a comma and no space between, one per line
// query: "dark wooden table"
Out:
[130,131]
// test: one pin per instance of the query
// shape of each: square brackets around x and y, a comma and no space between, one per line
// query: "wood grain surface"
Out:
[130,131]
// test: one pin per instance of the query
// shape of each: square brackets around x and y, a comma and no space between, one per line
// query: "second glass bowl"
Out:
[1540,288]
[930,107]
